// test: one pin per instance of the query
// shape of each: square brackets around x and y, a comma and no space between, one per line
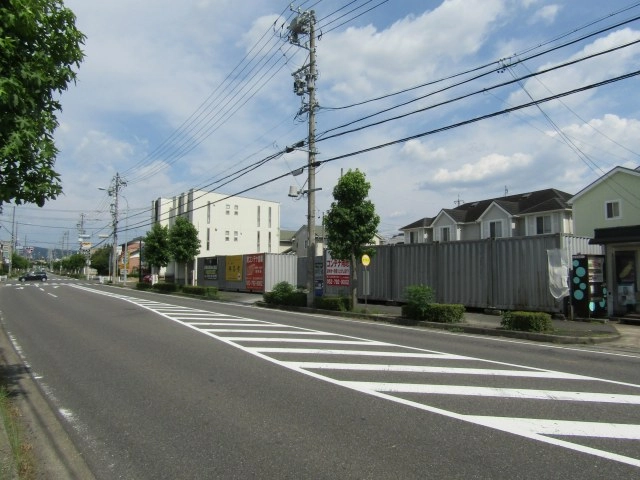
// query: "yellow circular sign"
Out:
[366,260]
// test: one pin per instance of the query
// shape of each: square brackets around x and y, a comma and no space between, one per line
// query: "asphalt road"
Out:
[153,386]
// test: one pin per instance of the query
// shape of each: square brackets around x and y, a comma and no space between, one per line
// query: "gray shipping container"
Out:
[503,273]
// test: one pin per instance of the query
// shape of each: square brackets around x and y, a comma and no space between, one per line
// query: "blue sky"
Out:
[152,64]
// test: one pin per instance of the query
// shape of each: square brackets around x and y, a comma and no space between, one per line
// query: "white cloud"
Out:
[546,14]
[488,166]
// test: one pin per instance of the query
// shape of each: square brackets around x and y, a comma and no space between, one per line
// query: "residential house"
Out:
[286,241]
[527,214]
[608,211]
[226,225]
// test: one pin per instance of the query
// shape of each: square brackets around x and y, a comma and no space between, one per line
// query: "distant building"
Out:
[527,214]
[227,225]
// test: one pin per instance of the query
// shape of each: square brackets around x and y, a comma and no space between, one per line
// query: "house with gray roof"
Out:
[534,213]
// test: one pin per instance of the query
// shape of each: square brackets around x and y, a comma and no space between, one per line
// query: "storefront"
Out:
[622,251]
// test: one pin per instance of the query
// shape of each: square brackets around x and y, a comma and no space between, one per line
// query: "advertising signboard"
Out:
[338,273]
[234,268]
[255,272]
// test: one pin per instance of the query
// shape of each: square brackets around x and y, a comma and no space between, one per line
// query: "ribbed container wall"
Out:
[504,273]
[279,268]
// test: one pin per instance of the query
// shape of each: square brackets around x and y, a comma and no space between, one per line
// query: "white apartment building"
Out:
[227,225]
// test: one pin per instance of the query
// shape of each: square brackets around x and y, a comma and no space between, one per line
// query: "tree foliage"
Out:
[74,263]
[39,47]
[184,243]
[18,262]
[352,222]
[156,246]
[100,260]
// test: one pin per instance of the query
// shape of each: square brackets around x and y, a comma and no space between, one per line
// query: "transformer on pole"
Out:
[303,25]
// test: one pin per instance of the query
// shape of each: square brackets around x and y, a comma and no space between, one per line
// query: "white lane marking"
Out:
[505,426]
[264,330]
[301,340]
[54,296]
[568,428]
[366,353]
[372,367]
[495,392]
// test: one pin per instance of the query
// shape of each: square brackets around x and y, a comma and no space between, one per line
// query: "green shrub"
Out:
[194,290]
[165,287]
[527,321]
[339,304]
[143,286]
[418,298]
[284,293]
[444,313]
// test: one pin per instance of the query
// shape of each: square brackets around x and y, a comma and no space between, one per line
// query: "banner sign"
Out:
[255,272]
[234,268]
[338,273]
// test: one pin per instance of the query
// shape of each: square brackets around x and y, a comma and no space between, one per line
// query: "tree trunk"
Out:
[354,282]
[186,273]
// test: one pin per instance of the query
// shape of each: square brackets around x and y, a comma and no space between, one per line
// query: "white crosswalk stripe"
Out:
[422,378]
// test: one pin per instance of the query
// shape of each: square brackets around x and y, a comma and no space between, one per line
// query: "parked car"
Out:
[147,278]
[39,276]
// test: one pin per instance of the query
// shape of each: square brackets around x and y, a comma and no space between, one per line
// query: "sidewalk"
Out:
[625,337]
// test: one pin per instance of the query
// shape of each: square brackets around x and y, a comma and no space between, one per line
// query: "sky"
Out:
[199,94]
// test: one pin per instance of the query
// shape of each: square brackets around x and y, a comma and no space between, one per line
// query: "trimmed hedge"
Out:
[444,313]
[527,321]
[143,286]
[434,312]
[339,304]
[200,291]
[165,287]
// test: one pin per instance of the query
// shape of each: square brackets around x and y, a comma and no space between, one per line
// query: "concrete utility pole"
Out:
[114,191]
[304,83]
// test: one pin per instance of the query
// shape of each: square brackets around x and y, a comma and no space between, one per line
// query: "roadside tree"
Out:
[351,223]
[100,260]
[39,47]
[184,243]
[156,246]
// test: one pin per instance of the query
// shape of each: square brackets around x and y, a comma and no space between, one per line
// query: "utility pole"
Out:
[304,83]
[114,191]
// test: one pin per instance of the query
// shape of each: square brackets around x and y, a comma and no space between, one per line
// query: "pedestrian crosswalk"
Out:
[475,390]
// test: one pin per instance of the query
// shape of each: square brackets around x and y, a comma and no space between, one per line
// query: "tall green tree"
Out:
[74,263]
[351,223]
[156,246]
[100,260]
[184,243]
[39,48]
[19,262]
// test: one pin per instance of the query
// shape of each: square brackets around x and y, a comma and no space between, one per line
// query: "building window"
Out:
[258,215]
[269,217]
[445,234]
[612,209]
[235,209]
[495,229]
[208,213]
[226,235]
[228,207]
[208,239]
[543,224]
[258,243]
[269,243]
[235,236]
[413,237]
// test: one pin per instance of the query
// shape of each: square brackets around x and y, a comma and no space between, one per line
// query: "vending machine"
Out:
[588,286]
